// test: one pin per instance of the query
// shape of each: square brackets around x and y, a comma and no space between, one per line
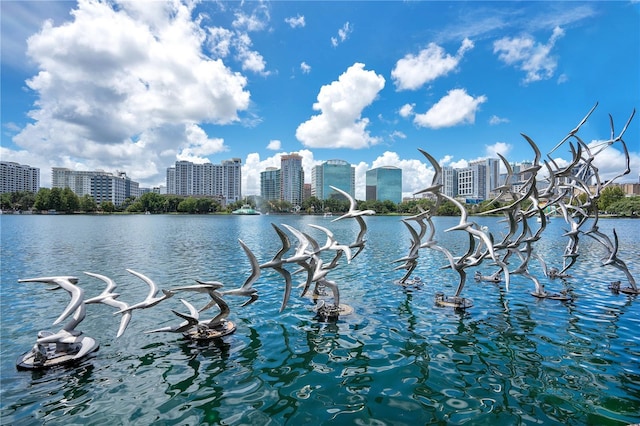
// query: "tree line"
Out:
[612,200]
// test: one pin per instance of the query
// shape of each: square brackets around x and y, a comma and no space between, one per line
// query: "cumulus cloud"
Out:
[406,110]
[501,148]
[343,34]
[295,21]
[456,107]
[612,161]
[340,123]
[525,53]
[199,145]
[274,145]
[119,84]
[305,68]
[495,120]
[413,71]
[257,20]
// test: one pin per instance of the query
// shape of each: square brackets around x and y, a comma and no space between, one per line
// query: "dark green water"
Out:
[511,359]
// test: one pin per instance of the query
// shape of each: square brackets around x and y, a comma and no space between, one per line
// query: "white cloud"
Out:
[495,120]
[406,110]
[274,145]
[219,41]
[116,85]
[199,145]
[294,22]
[343,34]
[412,72]
[305,68]
[533,58]
[457,107]
[340,123]
[256,21]
[611,162]
[501,148]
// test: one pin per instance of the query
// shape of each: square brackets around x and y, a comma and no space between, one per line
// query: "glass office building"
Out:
[384,183]
[336,173]
[270,184]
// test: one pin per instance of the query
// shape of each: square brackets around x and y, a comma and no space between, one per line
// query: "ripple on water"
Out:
[398,359]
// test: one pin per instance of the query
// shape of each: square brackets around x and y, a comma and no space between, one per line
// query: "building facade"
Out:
[102,186]
[270,184]
[336,173]
[384,183]
[16,177]
[222,181]
[291,179]
[449,181]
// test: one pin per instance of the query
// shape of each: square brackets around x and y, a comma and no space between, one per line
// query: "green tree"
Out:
[25,199]
[42,199]
[107,207]
[70,201]
[608,196]
[447,208]
[55,200]
[628,206]
[152,202]
[135,207]
[203,205]
[188,205]
[88,204]
[5,201]
[171,202]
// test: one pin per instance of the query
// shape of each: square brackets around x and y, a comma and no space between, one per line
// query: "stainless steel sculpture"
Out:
[67,345]
[561,193]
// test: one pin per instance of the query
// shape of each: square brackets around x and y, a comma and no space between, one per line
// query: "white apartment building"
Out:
[16,177]
[217,180]
[102,186]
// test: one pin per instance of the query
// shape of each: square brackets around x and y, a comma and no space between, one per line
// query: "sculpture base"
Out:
[49,355]
[328,313]
[203,333]
[453,302]
[552,296]
[629,290]
[414,282]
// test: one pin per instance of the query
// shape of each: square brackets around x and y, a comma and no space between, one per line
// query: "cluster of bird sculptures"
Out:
[70,344]
[573,190]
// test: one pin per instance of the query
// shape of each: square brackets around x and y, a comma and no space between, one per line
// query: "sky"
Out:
[136,86]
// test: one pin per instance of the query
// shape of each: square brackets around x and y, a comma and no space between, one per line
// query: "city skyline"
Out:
[111,85]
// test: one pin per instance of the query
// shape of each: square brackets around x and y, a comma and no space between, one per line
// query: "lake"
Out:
[398,359]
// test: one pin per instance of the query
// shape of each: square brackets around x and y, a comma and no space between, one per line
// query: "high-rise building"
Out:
[477,181]
[384,183]
[102,186]
[16,177]
[449,181]
[270,184]
[336,173]
[465,182]
[291,179]
[217,180]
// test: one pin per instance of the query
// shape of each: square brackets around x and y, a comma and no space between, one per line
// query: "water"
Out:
[511,359]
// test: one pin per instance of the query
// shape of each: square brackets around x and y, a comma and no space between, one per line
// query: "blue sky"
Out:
[136,86]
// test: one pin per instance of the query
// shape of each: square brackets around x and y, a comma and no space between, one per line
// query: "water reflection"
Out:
[398,359]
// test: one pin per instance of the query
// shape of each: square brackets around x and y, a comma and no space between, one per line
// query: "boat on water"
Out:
[247,210]
[328,214]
